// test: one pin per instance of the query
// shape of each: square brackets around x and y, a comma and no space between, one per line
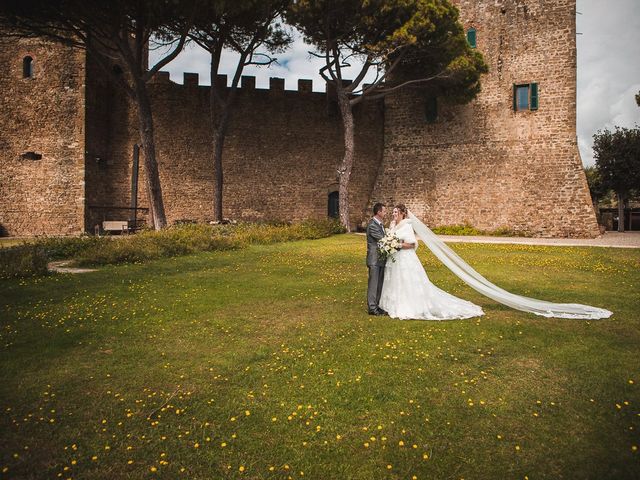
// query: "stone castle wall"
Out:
[280,154]
[483,163]
[45,115]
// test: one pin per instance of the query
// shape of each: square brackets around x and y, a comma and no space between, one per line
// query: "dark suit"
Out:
[375,232]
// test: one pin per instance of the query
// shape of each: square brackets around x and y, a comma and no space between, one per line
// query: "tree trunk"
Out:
[620,213]
[344,170]
[218,147]
[213,115]
[220,118]
[152,175]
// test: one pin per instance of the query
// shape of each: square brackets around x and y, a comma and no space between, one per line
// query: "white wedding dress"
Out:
[407,292]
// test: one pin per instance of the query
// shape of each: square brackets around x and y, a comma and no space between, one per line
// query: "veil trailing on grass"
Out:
[476,281]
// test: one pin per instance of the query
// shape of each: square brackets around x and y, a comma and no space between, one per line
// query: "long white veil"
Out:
[476,281]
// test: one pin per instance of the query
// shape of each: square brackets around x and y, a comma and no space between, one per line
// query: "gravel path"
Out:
[62,266]
[609,239]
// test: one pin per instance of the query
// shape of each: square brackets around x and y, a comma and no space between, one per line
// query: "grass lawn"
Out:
[262,363]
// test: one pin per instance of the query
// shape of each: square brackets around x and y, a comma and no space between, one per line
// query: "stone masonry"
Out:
[44,115]
[484,163]
[481,163]
[279,160]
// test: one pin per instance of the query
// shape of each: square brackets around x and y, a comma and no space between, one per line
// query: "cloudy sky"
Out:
[608,67]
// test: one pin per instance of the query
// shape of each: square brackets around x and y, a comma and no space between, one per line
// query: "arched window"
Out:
[334,204]
[27,67]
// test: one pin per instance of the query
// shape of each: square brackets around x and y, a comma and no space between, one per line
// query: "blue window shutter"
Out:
[471,37]
[521,97]
[534,96]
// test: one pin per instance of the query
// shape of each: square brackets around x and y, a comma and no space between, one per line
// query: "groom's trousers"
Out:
[376,277]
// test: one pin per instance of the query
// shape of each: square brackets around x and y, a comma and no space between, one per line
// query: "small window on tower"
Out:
[27,67]
[471,37]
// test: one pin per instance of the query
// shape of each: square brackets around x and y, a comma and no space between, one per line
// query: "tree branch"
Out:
[269,60]
[360,77]
[336,61]
[373,85]
[322,73]
[168,58]
[386,92]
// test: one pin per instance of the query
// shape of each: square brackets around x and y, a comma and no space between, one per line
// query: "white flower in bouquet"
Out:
[388,245]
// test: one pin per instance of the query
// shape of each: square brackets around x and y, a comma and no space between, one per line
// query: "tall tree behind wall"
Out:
[617,157]
[250,28]
[422,38]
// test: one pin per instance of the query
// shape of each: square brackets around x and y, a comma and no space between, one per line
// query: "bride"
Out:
[407,292]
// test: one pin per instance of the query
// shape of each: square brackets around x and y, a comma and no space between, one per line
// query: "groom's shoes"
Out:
[378,312]
[382,312]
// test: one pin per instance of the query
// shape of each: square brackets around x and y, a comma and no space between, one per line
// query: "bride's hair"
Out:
[402,209]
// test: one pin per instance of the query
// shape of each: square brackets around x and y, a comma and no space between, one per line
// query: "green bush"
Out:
[23,261]
[181,239]
[465,229]
[265,233]
[469,230]
[507,232]
[68,247]
[148,245]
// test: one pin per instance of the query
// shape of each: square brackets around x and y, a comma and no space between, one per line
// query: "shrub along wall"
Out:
[31,259]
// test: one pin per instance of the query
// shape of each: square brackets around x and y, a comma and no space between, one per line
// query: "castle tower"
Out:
[510,158]
[57,171]
[42,138]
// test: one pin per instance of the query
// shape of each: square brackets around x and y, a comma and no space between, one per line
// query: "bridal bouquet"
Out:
[388,245]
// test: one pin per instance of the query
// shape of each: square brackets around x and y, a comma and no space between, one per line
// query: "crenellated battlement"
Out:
[247,82]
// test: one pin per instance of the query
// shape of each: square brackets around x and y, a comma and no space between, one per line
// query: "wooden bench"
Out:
[121,226]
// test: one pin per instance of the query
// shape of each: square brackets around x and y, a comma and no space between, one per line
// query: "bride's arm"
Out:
[411,242]
[407,243]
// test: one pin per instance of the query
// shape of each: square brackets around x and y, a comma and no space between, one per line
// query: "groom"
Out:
[375,231]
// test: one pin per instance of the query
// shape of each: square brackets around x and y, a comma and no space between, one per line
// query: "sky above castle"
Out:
[608,67]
